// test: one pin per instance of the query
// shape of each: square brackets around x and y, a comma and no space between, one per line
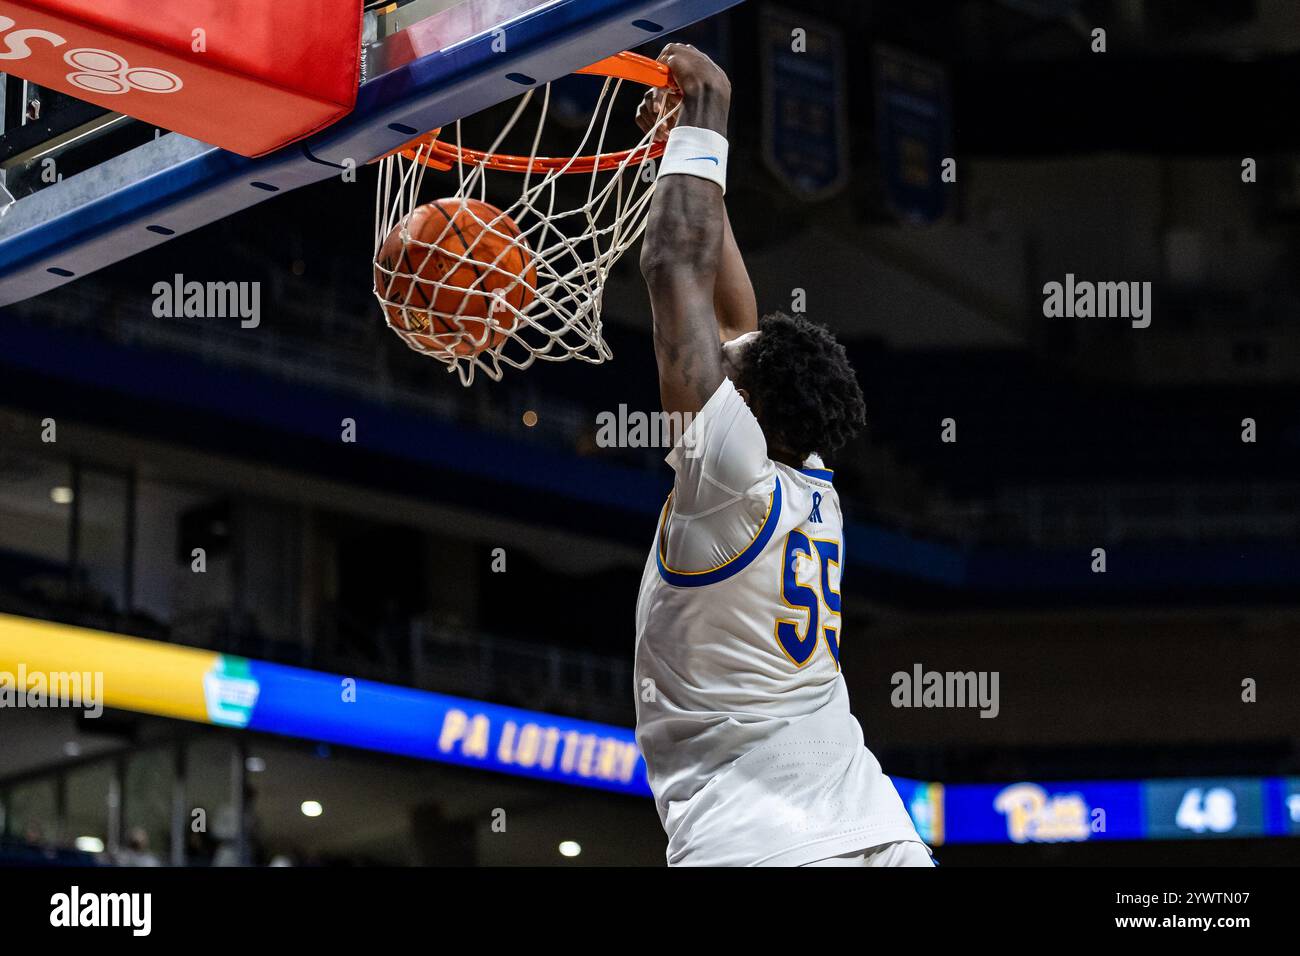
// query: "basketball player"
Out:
[742,714]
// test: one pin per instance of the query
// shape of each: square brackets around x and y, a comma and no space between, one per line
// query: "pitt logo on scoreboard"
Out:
[1035,816]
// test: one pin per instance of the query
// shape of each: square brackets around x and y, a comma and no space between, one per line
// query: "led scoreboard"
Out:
[240,693]
[1166,809]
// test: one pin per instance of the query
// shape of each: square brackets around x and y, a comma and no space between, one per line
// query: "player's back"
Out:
[742,714]
[742,659]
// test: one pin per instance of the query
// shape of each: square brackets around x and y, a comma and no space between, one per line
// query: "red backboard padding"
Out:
[247,75]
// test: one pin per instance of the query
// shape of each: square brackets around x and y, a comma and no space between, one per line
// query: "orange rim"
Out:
[433,152]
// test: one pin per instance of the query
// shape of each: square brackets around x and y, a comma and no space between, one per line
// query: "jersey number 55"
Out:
[799,645]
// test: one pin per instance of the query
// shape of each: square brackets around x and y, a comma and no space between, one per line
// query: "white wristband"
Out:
[693,151]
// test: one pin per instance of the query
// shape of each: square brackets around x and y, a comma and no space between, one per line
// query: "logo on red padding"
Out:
[94,71]
[100,71]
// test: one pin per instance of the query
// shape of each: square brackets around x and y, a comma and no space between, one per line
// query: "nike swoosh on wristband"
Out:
[712,159]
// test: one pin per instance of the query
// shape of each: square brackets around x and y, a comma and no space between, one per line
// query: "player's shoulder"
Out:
[723,444]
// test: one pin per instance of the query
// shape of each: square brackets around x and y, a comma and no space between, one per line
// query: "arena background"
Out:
[1162,690]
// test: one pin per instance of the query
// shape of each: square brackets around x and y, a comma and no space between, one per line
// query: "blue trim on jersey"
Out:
[694,579]
[822,474]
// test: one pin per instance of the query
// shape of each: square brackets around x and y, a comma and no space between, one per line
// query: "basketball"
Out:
[446,272]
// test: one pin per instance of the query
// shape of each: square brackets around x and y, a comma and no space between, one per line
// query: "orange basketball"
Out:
[458,261]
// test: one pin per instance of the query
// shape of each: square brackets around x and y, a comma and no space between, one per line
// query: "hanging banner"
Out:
[913,134]
[805,131]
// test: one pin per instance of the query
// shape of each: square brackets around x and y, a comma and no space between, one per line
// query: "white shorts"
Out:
[902,853]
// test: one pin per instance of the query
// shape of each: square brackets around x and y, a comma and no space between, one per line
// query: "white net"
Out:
[479,288]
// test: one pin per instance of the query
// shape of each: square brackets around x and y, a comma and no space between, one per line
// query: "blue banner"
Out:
[913,132]
[805,134]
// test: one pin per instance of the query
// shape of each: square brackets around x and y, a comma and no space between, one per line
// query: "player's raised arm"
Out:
[734,304]
[682,249]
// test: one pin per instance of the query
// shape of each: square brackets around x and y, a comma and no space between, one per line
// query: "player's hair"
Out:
[801,385]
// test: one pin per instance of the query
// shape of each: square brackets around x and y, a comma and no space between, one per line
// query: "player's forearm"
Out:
[683,239]
[679,260]
[684,230]
[733,292]
[683,235]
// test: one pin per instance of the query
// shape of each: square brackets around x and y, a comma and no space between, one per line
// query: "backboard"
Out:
[90,188]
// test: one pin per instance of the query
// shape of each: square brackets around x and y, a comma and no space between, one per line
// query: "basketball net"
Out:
[572,249]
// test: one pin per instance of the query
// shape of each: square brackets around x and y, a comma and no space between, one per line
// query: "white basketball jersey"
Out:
[742,714]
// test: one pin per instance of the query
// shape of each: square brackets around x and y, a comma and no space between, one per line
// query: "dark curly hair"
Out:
[801,386]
